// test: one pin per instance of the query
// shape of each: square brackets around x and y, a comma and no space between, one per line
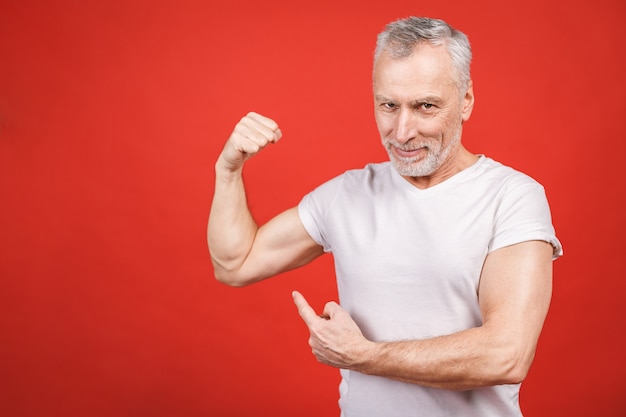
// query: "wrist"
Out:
[226,170]
[368,356]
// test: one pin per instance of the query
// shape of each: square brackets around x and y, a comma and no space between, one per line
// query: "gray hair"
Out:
[400,38]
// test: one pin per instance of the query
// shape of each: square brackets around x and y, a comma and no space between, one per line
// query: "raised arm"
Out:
[242,252]
[514,295]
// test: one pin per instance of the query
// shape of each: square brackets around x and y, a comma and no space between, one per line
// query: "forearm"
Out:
[231,228]
[466,360]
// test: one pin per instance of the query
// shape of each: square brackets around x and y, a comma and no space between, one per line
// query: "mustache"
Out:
[408,146]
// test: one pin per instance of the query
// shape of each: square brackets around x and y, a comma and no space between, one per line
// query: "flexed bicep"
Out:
[280,245]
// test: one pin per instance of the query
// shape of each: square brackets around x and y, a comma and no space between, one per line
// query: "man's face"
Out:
[419,111]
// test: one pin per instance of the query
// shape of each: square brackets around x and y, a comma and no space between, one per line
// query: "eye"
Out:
[389,106]
[426,106]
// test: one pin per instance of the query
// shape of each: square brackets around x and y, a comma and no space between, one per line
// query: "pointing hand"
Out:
[335,338]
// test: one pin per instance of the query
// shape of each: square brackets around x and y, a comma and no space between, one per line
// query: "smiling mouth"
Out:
[410,153]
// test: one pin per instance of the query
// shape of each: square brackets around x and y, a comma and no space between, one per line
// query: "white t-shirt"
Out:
[408,263]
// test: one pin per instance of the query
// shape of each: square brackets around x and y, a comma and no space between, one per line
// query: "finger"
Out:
[266,121]
[266,125]
[306,311]
[256,131]
[331,309]
[277,135]
[247,137]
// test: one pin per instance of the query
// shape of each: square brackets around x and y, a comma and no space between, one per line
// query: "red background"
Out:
[112,114]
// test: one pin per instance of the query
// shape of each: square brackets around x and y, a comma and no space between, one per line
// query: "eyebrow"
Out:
[381,98]
[426,99]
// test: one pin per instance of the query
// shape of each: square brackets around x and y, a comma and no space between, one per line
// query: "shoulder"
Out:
[370,171]
[348,188]
[359,179]
[339,197]
[500,176]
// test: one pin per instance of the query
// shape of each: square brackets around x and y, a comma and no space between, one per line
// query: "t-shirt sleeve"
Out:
[523,215]
[313,208]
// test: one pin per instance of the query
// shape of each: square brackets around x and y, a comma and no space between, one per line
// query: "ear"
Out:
[468,102]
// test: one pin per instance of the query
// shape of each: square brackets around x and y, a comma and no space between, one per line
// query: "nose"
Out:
[405,126]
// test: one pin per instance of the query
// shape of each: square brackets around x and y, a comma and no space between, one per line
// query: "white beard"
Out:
[435,157]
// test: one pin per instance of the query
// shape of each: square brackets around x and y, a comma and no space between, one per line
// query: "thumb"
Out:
[331,309]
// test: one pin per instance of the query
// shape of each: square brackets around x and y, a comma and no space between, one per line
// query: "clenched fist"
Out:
[251,134]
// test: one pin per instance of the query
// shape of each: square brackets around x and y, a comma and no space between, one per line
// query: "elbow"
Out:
[514,367]
[229,266]
[229,278]
[227,273]
[236,273]
[232,276]
[515,375]
[230,282]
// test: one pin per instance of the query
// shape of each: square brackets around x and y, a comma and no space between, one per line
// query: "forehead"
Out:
[427,70]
